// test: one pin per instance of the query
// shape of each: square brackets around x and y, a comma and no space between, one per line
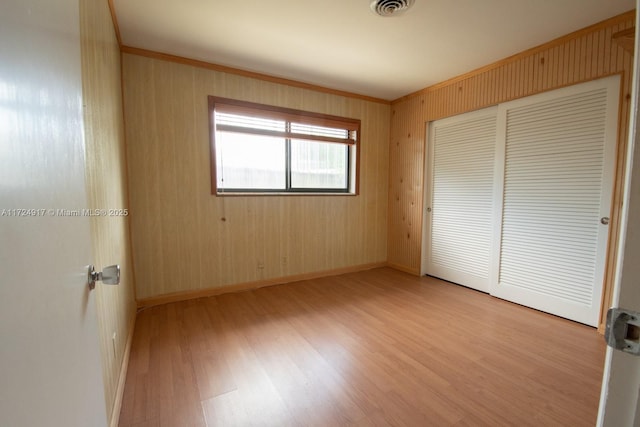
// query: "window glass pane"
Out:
[250,122]
[318,165]
[250,162]
[319,130]
[256,151]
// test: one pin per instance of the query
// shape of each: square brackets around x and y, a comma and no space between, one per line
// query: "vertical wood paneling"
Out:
[184,239]
[585,55]
[106,189]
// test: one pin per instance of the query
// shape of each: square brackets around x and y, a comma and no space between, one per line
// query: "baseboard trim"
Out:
[122,379]
[209,292]
[414,271]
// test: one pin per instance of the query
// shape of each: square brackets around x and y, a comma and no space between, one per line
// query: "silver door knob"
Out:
[109,276]
[604,220]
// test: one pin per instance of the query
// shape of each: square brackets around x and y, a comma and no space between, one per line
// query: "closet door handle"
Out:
[604,220]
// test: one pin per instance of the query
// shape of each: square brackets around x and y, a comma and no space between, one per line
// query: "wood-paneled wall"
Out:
[107,189]
[581,56]
[180,241]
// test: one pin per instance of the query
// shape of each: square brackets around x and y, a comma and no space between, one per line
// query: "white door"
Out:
[460,199]
[50,371]
[557,155]
[620,398]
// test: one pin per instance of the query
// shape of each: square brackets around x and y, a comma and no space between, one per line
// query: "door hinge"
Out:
[623,330]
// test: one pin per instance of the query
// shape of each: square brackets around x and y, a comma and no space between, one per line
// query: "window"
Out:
[270,150]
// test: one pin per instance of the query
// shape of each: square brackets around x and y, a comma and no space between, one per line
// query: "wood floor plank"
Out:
[255,394]
[375,348]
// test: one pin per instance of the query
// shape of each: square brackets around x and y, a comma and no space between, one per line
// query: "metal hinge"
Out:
[623,330]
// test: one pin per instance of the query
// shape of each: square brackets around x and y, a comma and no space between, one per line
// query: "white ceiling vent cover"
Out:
[390,7]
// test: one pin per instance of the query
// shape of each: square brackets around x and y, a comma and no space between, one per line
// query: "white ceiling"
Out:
[341,44]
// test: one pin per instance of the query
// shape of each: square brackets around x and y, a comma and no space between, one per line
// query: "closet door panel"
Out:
[460,211]
[558,169]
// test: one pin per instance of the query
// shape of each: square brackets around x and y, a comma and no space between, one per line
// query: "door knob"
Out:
[604,220]
[109,276]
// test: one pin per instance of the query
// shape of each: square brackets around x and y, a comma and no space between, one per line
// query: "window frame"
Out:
[234,106]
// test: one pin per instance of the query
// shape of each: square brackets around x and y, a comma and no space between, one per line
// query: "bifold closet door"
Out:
[460,198]
[557,150]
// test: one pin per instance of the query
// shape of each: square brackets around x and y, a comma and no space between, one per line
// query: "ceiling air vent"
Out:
[390,7]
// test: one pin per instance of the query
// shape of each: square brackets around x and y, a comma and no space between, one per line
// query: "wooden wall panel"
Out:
[585,55]
[107,188]
[185,240]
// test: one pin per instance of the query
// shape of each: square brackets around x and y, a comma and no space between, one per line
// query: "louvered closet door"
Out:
[460,213]
[558,150]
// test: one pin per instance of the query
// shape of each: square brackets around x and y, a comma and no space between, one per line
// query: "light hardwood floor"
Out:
[377,348]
